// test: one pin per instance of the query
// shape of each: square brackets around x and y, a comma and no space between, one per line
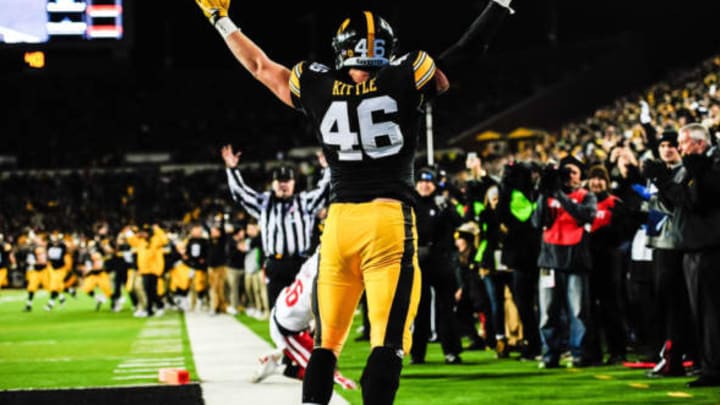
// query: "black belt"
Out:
[281,258]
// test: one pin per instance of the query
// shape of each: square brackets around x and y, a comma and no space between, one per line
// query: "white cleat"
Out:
[269,364]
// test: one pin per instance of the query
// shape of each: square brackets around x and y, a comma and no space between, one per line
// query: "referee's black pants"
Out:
[280,273]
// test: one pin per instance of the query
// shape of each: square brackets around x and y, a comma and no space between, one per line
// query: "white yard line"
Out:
[22,297]
[153,360]
[136,377]
[158,345]
[143,370]
[123,366]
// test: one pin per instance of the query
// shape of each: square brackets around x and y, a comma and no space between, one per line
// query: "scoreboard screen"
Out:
[60,21]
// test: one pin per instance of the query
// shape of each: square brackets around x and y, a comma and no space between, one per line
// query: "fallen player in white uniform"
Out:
[291,330]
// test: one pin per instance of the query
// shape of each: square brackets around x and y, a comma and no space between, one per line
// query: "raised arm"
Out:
[583,212]
[133,240]
[159,237]
[268,72]
[477,37]
[250,199]
[314,200]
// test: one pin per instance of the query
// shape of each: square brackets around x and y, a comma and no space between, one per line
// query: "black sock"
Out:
[133,298]
[318,381]
[292,371]
[381,377]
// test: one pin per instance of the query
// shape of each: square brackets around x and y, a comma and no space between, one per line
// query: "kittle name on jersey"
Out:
[344,89]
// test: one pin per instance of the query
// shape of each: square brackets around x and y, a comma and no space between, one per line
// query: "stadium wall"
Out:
[188,394]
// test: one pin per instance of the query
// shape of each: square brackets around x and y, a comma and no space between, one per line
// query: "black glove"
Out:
[655,170]
[696,164]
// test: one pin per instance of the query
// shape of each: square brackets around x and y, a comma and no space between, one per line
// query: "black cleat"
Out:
[704,381]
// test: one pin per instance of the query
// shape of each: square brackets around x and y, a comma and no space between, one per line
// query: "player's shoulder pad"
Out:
[423,66]
[304,67]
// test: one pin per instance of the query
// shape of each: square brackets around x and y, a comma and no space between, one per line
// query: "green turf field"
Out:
[482,379]
[75,346]
[78,347]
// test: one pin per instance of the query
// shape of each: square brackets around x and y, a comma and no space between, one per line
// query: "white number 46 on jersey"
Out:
[335,129]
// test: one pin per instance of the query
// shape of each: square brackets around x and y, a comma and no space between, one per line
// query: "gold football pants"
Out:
[180,278]
[36,279]
[370,246]
[3,277]
[100,280]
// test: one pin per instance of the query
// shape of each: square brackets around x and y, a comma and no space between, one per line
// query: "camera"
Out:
[552,178]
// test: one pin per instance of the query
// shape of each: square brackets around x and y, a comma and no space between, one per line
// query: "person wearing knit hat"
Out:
[436,219]
[572,160]
[669,135]
[426,174]
[671,295]
[599,171]
[605,239]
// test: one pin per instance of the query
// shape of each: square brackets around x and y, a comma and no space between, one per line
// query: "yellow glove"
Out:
[214,9]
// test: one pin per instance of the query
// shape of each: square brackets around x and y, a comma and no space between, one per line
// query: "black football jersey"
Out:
[56,254]
[4,256]
[196,253]
[368,131]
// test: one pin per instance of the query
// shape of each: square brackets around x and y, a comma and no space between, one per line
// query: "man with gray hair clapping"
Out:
[694,196]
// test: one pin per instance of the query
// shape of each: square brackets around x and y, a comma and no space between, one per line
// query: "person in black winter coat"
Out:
[672,304]
[521,247]
[436,222]
[606,288]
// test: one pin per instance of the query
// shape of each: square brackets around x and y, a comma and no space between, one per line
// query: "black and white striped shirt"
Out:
[286,226]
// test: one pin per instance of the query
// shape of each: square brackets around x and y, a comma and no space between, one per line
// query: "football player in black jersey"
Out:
[7,260]
[367,113]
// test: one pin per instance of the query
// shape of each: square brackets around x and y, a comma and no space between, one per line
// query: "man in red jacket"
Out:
[565,213]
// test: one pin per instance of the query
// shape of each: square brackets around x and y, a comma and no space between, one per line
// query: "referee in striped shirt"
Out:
[286,218]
